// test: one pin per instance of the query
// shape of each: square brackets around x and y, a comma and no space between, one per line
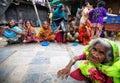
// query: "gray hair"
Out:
[109,53]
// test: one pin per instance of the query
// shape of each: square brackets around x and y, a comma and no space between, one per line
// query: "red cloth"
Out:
[95,74]
[82,57]
[109,80]
[76,74]
[59,37]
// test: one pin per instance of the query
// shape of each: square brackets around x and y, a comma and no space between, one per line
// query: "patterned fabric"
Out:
[83,34]
[29,35]
[45,34]
[11,34]
[97,15]
[113,71]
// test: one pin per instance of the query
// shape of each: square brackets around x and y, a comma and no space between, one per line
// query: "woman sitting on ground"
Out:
[72,34]
[45,32]
[29,33]
[13,33]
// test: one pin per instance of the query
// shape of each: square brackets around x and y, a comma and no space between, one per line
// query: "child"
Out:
[100,63]
[72,34]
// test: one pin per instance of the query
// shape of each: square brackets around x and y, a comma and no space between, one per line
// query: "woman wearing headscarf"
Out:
[99,63]
[58,26]
[58,16]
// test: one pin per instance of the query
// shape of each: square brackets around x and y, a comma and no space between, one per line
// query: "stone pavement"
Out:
[33,63]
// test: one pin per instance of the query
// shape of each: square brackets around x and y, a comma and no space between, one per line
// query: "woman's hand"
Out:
[64,73]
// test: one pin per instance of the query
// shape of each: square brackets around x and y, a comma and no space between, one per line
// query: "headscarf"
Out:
[113,45]
[58,13]
[111,70]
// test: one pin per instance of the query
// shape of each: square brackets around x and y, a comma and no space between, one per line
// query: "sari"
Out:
[56,17]
[29,35]
[85,34]
[11,36]
[45,34]
[108,72]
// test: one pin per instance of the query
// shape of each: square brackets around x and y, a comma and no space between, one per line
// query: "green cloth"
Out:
[109,70]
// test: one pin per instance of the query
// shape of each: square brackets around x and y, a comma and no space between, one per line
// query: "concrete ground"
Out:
[34,63]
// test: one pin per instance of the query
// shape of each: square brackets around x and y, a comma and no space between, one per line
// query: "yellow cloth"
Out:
[40,32]
[45,34]
[118,36]
[50,17]
[32,29]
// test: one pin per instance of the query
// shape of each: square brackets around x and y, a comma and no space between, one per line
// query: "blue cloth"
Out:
[38,22]
[58,13]
[11,34]
[102,34]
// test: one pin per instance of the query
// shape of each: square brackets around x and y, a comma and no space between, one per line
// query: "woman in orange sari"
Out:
[45,32]
[29,33]
[84,28]
[85,34]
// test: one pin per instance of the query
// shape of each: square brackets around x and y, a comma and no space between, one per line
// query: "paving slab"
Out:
[4,54]
[33,63]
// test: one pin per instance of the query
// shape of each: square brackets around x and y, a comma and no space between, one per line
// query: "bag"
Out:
[63,26]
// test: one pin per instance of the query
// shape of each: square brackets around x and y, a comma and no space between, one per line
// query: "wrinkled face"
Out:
[45,25]
[98,53]
[12,23]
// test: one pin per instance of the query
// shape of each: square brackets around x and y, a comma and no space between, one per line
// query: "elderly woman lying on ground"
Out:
[100,63]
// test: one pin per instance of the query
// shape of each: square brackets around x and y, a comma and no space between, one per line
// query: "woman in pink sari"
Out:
[29,33]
